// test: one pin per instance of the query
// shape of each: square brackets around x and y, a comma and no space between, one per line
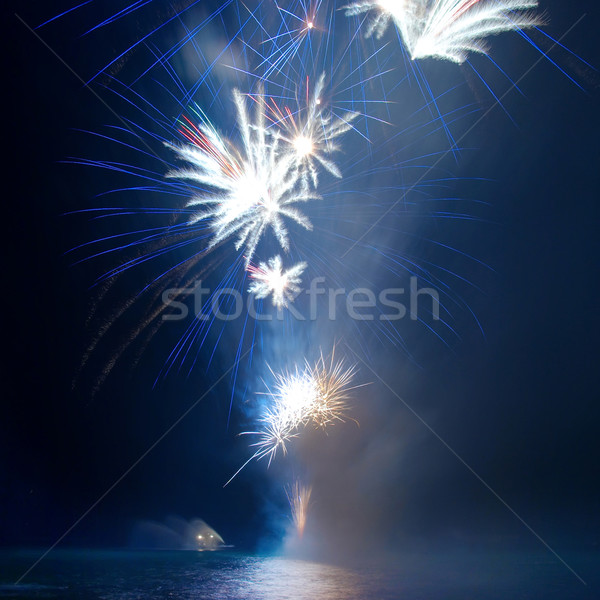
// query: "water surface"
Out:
[125,575]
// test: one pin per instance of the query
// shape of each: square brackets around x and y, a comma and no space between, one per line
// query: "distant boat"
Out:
[177,534]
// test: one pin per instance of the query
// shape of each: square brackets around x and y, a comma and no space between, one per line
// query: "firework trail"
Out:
[269,279]
[447,29]
[316,394]
[299,498]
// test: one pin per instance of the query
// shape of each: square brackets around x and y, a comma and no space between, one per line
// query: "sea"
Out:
[231,575]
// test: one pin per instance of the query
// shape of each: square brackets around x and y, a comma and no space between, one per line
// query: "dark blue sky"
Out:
[519,404]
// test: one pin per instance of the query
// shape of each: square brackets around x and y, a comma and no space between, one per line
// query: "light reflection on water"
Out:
[97,575]
[283,579]
[183,575]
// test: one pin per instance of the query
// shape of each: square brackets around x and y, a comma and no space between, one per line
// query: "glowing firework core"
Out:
[303,146]
[310,134]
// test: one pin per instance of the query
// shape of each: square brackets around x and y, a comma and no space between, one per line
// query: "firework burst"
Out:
[447,29]
[310,134]
[269,279]
[254,189]
[291,403]
[316,394]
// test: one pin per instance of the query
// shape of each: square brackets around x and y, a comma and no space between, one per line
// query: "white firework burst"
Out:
[269,279]
[251,190]
[447,29]
[316,394]
[310,133]
[291,402]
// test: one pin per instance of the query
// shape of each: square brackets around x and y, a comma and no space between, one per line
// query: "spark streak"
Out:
[299,499]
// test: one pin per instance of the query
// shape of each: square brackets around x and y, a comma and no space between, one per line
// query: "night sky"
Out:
[518,402]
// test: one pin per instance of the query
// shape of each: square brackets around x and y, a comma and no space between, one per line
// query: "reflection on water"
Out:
[206,576]
[95,575]
[282,579]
